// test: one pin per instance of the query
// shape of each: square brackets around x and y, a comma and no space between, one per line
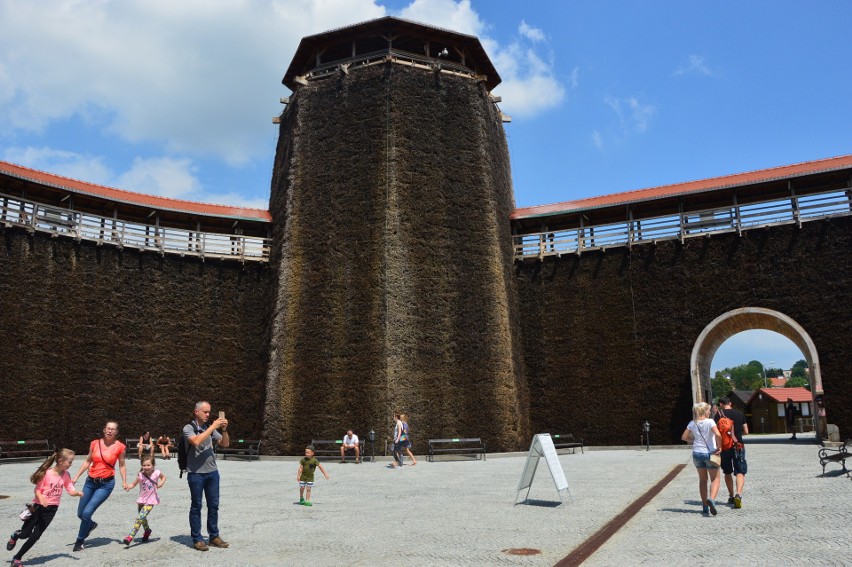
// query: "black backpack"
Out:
[183,449]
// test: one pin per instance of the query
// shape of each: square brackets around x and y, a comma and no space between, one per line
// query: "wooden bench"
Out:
[456,446]
[331,447]
[247,447]
[835,455]
[25,449]
[567,441]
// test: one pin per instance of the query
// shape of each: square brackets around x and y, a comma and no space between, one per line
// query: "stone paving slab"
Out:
[462,512]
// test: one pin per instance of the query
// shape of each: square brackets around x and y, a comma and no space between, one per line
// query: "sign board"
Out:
[542,446]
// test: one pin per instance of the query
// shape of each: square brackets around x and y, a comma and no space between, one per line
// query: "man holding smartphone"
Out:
[202,473]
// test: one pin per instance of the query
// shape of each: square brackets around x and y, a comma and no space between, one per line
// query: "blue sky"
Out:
[176,98]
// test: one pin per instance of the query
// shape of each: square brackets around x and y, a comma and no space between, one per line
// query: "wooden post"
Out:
[794,203]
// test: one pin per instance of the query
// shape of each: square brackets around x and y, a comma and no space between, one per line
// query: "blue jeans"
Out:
[208,485]
[94,494]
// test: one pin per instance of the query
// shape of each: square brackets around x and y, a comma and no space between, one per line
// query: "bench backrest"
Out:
[22,442]
[457,440]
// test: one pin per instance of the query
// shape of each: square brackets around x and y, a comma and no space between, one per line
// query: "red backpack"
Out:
[726,430]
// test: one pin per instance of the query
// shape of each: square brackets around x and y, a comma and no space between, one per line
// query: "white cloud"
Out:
[529,85]
[60,162]
[695,66]
[165,176]
[597,140]
[448,14]
[193,76]
[574,78]
[633,116]
[195,80]
[531,33]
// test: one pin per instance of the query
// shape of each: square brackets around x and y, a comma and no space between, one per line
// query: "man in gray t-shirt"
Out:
[202,474]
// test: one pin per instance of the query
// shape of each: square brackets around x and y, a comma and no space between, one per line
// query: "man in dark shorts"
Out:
[734,459]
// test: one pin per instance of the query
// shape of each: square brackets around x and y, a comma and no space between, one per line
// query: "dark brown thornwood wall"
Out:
[391,195]
[392,288]
[91,333]
[608,336]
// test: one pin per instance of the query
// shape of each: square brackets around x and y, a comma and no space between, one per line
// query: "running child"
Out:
[149,481]
[305,475]
[49,480]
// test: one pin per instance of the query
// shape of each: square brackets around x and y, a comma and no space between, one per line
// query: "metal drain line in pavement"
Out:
[597,539]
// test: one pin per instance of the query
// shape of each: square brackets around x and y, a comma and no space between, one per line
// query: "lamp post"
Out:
[646,429]
[763,366]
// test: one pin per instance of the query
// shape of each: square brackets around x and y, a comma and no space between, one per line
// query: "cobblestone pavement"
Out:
[463,513]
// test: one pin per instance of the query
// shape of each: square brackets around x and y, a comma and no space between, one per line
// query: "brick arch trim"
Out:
[744,319]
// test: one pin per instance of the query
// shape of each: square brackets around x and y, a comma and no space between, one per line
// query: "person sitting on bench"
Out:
[350,443]
[163,442]
[146,444]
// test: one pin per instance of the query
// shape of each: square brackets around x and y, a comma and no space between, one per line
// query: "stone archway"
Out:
[744,319]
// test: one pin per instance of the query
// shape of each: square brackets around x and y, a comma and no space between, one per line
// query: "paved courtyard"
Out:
[463,513]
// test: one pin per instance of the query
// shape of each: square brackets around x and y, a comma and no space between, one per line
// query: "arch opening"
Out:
[744,319]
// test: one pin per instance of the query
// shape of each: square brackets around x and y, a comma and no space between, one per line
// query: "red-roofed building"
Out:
[768,414]
[777,382]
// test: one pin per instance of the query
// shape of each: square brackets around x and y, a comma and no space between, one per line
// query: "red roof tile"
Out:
[711,184]
[780,395]
[122,196]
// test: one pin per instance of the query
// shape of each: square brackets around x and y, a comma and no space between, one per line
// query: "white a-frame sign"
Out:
[542,446]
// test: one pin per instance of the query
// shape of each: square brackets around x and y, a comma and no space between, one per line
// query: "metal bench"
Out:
[567,441]
[836,455]
[25,449]
[247,447]
[456,446]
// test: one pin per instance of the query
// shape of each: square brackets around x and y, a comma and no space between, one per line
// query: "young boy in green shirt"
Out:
[305,475]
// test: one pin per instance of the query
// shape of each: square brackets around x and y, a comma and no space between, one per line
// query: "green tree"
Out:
[720,386]
[748,376]
[799,370]
[798,381]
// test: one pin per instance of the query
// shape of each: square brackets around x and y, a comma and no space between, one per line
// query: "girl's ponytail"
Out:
[60,455]
[42,469]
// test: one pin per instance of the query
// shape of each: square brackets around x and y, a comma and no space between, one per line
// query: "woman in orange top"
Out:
[103,454]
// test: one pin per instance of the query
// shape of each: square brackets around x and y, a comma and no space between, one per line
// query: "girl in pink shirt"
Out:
[149,480]
[49,480]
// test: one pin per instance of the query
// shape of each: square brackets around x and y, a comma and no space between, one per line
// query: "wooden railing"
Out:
[686,224]
[388,55]
[58,221]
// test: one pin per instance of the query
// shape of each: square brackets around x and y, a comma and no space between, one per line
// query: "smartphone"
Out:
[221,415]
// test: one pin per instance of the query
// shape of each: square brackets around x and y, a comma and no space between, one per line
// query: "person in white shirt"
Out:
[706,441]
[350,443]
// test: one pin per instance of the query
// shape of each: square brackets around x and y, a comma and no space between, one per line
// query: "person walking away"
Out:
[406,438]
[100,463]
[49,480]
[790,410]
[734,465]
[203,474]
[704,436]
[397,444]
[150,480]
[305,475]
